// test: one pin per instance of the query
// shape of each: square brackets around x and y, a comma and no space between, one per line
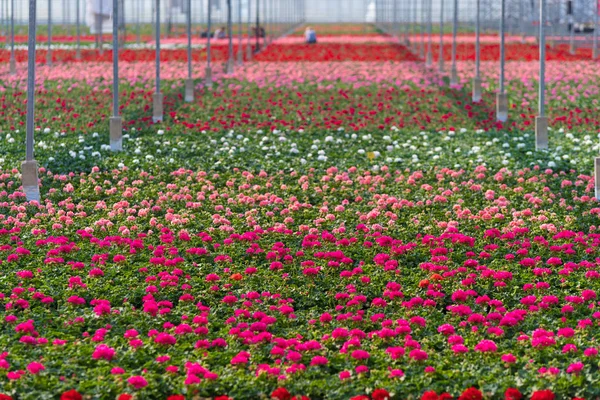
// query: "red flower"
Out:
[223,397]
[380,394]
[445,396]
[431,395]
[512,394]
[125,396]
[281,394]
[360,397]
[543,395]
[5,397]
[176,397]
[71,395]
[471,394]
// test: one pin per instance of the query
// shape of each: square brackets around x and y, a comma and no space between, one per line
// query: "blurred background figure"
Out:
[310,35]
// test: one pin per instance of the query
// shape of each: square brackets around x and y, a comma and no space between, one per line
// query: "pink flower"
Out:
[575,368]
[35,367]
[418,355]
[15,375]
[509,358]
[104,352]
[486,346]
[360,355]
[165,339]
[345,375]
[460,348]
[319,360]
[117,371]
[590,352]
[396,373]
[137,381]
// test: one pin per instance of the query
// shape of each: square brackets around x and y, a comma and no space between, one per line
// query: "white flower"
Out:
[160,132]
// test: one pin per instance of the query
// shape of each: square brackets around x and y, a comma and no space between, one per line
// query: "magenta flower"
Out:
[318,360]
[103,352]
[137,381]
[360,355]
[418,355]
[35,367]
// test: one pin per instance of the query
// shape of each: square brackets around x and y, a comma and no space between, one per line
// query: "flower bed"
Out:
[310,230]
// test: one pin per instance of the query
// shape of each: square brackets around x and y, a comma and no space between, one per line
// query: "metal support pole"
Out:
[429,58]
[13,62]
[101,29]
[78,30]
[572,33]
[521,22]
[477,78]
[29,168]
[422,31]
[157,109]
[453,71]
[597,177]
[189,82]
[266,22]
[414,33]
[541,121]
[49,52]
[501,97]
[595,41]
[249,41]
[116,123]
[441,53]
[208,73]
[257,25]
[240,53]
[230,57]
[137,21]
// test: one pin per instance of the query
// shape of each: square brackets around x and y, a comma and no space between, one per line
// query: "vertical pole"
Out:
[157,112]
[266,21]
[394,17]
[101,27]
[29,168]
[414,33]
[257,25]
[453,71]
[78,29]
[595,42]
[572,22]
[116,124]
[522,22]
[441,53]
[189,82]
[541,121]
[249,41]
[597,176]
[137,20]
[501,98]
[422,31]
[429,58]
[49,53]
[230,57]
[477,78]
[13,62]
[240,53]
[208,73]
